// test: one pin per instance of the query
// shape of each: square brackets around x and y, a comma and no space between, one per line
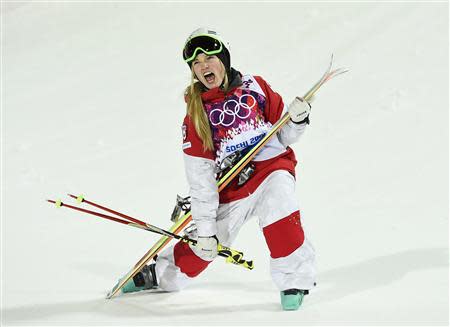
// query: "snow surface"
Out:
[92,103]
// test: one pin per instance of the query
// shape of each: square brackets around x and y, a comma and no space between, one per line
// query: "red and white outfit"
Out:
[239,118]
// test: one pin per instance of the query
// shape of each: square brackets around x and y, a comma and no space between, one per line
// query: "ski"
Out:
[231,255]
[224,181]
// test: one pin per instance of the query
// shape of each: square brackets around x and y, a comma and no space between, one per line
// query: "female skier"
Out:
[228,113]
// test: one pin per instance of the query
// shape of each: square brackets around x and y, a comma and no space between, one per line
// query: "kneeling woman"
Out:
[228,113]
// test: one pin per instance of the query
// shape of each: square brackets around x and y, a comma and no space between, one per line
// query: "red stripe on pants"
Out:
[284,236]
[187,261]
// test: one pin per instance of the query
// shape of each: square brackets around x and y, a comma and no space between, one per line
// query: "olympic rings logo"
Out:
[232,109]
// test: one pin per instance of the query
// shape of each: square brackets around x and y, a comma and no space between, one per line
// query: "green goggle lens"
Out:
[206,44]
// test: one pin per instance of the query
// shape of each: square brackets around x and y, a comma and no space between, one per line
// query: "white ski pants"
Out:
[292,262]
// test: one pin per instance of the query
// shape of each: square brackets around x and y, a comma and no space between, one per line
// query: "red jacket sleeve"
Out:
[192,144]
[274,102]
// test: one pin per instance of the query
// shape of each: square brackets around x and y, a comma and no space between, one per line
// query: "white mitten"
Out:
[206,247]
[299,110]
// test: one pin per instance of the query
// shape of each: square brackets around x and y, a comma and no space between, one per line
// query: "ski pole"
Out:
[231,255]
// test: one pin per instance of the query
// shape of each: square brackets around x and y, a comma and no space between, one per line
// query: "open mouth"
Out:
[209,77]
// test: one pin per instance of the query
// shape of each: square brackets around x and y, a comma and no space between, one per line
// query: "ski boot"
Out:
[292,299]
[143,280]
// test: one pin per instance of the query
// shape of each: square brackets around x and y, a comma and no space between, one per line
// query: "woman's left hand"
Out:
[299,110]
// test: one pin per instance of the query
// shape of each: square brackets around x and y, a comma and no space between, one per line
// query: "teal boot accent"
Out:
[130,287]
[143,280]
[292,299]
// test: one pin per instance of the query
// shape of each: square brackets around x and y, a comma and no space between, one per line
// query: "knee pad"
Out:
[188,262]
[284,236]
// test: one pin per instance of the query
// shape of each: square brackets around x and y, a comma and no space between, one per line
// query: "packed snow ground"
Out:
[92,103]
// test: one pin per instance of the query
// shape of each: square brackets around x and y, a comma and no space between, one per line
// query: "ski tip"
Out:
[110,294]
[342,70]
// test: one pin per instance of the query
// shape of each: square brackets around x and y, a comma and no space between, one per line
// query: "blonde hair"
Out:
[196,111]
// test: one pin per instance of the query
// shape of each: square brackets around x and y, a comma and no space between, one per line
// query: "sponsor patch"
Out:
[244,144]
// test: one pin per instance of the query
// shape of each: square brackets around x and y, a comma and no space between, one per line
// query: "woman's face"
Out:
[209,70]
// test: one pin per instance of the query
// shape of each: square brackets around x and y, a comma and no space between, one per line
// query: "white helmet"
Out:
[209,42]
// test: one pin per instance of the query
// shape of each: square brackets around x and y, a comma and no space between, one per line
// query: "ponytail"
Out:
[197,113]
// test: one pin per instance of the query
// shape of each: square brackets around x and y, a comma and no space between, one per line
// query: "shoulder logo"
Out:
[247,83]
[250,83]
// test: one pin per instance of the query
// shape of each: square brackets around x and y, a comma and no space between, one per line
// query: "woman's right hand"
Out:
[206,247]
[299,110]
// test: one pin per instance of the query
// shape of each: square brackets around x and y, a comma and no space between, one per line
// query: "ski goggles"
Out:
[204,43]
